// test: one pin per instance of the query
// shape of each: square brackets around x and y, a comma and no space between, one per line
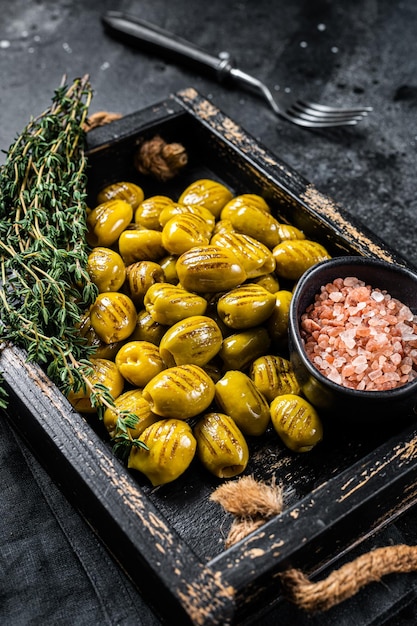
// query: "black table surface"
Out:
[363,52]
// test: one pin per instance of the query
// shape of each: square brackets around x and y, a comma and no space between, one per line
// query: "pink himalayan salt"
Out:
[360,337]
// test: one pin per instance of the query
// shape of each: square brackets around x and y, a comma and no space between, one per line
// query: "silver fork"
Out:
[150,37]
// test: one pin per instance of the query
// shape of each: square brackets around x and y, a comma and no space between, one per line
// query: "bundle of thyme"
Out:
[45,287]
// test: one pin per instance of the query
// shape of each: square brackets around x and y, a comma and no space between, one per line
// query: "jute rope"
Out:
[100,119]
[160,159]
[253,503]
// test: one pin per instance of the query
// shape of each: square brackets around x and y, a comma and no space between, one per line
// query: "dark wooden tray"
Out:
[170,540]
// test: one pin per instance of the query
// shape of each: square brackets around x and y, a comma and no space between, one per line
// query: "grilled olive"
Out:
[107,221]
[104,372]
[274,376]
[132,402]
[169,265]
[147,329]
[179,209]
[269,282]
[139,361]
[297,422]
[223,226]
[101,350]
[113,316]
[287,231]
[148,212]
[277,324]
[171,448]
[185,231]
[207,193]
[141,245]
[240,349]
[239,398]
[180,392]
[140,276]
[197,339]
[255,257]
[252,221]
[106,269]
[209,269]
[295,256]
[246,306]
[129,192]
[249,200]
[221,446]
[168,304]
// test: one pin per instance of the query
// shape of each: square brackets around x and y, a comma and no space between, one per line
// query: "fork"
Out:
[300,112]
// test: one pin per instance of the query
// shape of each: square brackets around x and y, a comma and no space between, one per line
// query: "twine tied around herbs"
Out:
[154,157]
[253,503]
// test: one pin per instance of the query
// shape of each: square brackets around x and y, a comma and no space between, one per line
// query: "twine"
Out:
[100,119]
[160,159]
[253,503]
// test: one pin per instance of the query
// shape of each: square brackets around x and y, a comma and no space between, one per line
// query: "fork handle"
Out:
[151,37]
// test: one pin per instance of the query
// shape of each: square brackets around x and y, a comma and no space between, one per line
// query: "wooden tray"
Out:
[170,540]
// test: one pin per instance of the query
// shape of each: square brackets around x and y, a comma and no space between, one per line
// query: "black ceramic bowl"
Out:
[327,396]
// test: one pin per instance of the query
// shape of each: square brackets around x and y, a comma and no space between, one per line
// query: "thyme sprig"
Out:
[43,254]
[44,285]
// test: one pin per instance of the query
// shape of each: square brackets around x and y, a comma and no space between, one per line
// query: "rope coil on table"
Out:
[240,498]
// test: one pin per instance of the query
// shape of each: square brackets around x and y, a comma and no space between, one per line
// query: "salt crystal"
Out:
[334,375]
[336,296]
[375,374]
[377,296]
[348,337]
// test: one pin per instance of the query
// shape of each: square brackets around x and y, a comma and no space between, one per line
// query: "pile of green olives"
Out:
[189,327]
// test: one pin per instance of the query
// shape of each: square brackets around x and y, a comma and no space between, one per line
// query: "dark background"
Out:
[52,569]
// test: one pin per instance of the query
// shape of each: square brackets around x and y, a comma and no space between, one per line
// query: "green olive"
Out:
[139,361]
[295,256]
[255,257]
[171,448]
[274,376]
[113,316]
[140,276]
[104,372]
[129,192]
[107,221]
[246,306]
[207,193]
[132,402]
[147,329]
[253,221]
[287,231]
[269,282]
[209,269]
[185,231]
[240,349]
[197,339]
[169,266]
[277,324]
[106,269]
[221,446]
[249,200]
[148,212]
[102,350]
[297,422]
[141,245]
[180,392]
[238,397]
[180,209]
[168,304]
